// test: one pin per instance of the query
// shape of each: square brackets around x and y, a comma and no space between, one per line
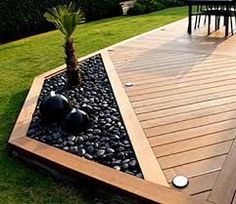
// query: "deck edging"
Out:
[150,167]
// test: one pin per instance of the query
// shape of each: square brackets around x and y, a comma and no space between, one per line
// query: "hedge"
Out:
[147,6]
[97,9]
[19,18]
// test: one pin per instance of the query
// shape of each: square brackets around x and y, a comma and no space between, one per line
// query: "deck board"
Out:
[197,168]
[184,98]
[194,155]
[202,195]
[194,143]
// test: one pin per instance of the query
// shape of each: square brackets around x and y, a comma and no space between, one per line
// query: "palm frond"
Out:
[65,18]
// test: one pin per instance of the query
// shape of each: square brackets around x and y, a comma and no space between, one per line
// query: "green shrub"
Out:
[153,5]
[172,3]
[137,9]
[169,3]
[19,18]
[181,2]
[145,6]
[96,9]
[24,17]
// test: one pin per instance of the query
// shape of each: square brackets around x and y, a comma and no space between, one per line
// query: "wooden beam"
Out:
[25,116]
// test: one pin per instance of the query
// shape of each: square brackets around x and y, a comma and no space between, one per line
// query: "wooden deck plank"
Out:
[189,115]
[194,155]
[187,99]
[137,90]
[141,83]
[173,94]
[202,196]
[194,108]
[157,129]
[173,84]
[197,168]
[183,71]
[193,133]
[201,183]
[174,64]
[194,143]
[180,47]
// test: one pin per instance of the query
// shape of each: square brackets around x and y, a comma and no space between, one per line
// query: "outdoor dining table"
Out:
[226,3]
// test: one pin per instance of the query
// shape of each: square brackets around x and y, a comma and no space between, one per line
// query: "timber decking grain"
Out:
[184,97]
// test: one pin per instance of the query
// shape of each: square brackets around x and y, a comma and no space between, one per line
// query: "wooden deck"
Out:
[184,96]
[180,116]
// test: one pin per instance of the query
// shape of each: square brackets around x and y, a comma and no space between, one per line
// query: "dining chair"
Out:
[217,11]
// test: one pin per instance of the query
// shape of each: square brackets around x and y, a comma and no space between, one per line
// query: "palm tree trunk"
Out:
[72,69]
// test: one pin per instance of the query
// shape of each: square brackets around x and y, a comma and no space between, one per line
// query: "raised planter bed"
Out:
[106,140]
[153,187]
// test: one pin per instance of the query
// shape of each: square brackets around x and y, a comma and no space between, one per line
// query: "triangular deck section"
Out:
[183,94]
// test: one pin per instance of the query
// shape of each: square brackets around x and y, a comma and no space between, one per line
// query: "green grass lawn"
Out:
[20,62]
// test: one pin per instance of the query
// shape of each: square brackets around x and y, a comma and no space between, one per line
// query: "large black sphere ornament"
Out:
[76,121]
[54,108]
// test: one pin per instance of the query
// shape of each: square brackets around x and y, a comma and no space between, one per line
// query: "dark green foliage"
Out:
[146,6]
[137,9]
[181,2]
[19,18]
[24,17]
[97,9]
[154,6]
[172,3]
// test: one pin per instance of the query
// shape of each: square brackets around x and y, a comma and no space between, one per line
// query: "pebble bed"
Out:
[106,140]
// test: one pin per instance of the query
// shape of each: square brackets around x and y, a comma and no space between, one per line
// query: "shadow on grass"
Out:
[11,111]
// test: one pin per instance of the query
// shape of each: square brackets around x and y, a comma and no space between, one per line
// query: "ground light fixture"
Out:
[180,181]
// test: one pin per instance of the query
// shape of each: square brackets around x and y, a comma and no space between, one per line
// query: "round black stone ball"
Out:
[76,121]
[54,108]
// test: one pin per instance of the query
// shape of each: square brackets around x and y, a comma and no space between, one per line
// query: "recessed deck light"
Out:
[180,181]
[129,84]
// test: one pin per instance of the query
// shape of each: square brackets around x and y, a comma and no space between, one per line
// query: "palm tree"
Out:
[66,18]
